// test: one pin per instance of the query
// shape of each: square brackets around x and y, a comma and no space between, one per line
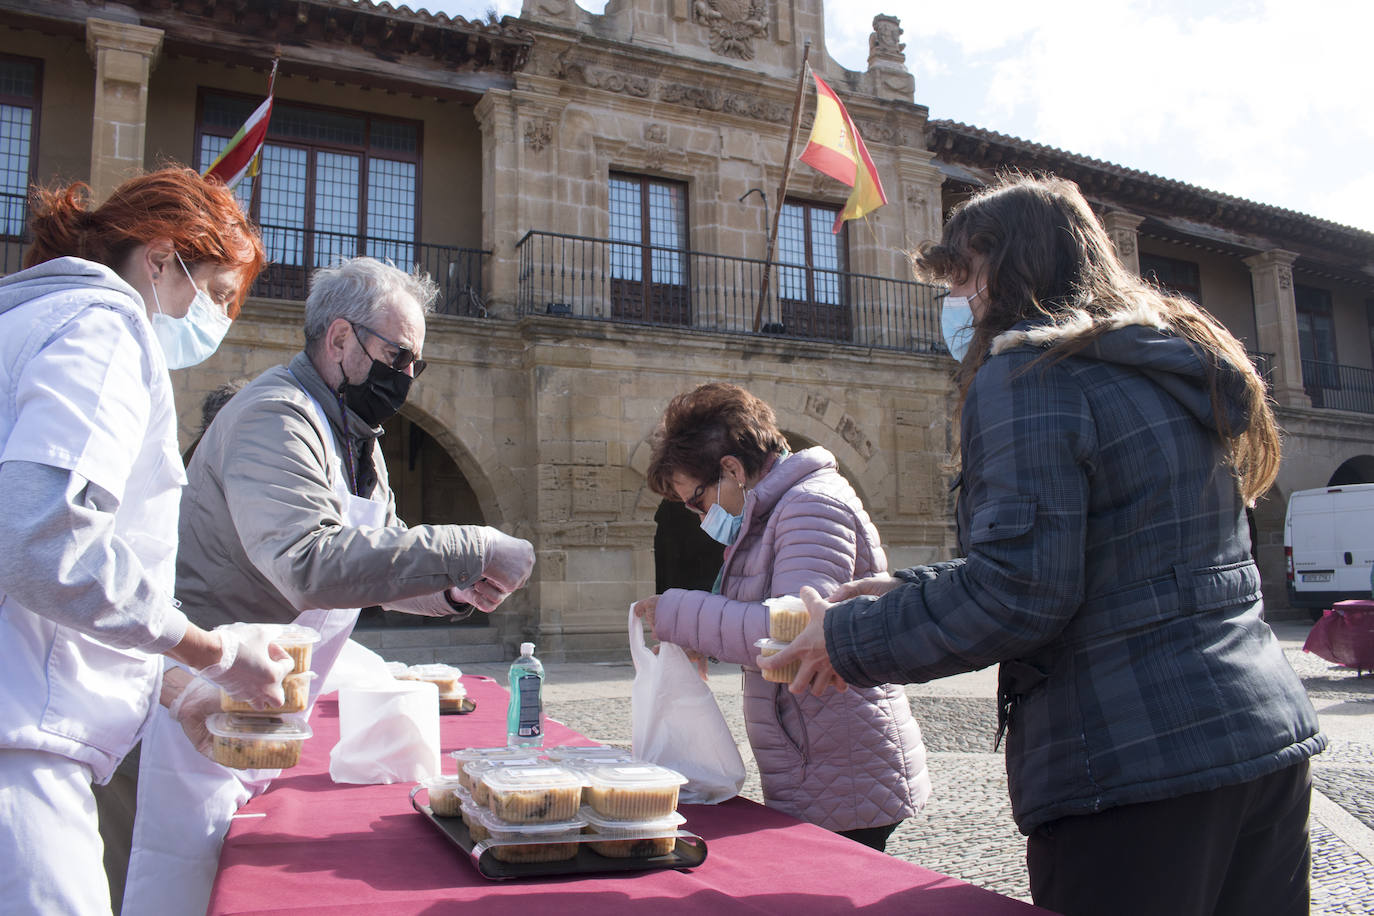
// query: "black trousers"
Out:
[872,837]
[1239,849]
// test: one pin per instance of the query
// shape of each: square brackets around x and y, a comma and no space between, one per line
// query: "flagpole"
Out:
[256,195]
[782,189]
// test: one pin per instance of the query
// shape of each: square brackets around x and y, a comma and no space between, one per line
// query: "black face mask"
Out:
[379,396]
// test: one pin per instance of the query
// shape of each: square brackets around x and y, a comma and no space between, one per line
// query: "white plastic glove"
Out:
[508,561]
[250,668]
[197,701]
[483,595]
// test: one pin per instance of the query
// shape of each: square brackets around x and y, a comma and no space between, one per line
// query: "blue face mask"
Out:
[956,325]
[720,525]
[190,340]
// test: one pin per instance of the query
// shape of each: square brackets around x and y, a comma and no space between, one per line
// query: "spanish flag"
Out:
[836,149]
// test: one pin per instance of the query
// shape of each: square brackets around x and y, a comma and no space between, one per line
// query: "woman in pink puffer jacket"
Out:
[851,761]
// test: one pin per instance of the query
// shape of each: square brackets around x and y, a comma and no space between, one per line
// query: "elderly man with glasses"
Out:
[288,517]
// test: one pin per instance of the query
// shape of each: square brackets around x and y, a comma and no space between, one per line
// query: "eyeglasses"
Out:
[694,503]
[404,355]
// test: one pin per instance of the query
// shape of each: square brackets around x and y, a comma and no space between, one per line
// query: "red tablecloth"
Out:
[310,846]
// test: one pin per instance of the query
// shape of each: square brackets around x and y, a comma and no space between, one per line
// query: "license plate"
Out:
[1315,577]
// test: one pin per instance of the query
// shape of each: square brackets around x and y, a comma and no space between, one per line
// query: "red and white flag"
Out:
[240,157]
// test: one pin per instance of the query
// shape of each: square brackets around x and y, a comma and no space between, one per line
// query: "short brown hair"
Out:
[198,216]
[702,426]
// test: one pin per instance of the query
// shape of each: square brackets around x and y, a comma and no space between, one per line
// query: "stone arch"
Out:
[476,457]
[798,441]
[1357,469]
[865,474]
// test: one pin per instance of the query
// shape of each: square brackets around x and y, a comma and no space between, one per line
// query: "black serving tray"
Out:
[688,852]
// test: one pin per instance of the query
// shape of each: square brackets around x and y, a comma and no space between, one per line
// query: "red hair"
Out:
[199,217]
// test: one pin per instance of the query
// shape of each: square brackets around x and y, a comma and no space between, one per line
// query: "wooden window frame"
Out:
[365,152]
[35,105]
[647,299]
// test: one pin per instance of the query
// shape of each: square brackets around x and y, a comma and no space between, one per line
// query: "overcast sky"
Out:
[1268,100]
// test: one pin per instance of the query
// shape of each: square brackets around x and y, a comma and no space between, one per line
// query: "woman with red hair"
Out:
[91,476]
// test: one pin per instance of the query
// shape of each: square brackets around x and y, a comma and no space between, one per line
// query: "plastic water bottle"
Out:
[525,714]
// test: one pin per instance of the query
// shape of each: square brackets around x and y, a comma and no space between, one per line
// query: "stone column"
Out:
[1122,226]
[1276,323]
[124,55]
[500,197]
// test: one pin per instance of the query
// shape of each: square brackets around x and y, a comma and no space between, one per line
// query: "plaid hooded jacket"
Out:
[1107,568]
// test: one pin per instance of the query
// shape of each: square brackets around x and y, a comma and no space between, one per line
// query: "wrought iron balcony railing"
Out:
[293,253]
[605,280]
[1337,387]
[1264,365]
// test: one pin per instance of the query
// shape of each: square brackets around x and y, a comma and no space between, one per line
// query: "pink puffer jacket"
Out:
[844,760]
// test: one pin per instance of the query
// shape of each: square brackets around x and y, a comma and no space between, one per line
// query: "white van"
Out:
[1328,542]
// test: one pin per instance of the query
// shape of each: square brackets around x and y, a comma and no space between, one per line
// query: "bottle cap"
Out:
[527,648]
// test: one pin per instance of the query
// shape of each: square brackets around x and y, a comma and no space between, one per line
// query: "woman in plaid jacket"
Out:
[1111,438]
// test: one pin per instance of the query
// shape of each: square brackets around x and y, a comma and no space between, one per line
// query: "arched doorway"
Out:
[429,489]
[1359,469]
[684,556]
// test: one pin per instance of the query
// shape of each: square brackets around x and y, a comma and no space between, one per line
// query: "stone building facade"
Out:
[594,193]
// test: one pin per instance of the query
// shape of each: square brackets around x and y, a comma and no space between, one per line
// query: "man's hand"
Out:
[509,561]
[196,701]
[816,672]
[482,595]
[250,666]
[877,586]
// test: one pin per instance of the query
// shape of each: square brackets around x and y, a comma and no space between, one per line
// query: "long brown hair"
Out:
[702,426]
[199,217]
[1047,256]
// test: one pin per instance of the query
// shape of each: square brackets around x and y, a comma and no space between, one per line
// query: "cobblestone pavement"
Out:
[966,829]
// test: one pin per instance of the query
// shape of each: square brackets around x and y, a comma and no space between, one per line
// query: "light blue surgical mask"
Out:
[190,340]
[956,324]
[720,525]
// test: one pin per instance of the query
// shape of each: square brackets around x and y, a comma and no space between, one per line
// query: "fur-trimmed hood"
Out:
[1142,339]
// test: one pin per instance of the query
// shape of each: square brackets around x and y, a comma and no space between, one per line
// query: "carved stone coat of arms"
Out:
[734,24]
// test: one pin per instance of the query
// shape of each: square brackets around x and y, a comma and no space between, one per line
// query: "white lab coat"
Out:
[185,801]
[83,388]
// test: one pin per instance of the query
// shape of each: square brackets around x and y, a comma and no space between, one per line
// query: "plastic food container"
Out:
[446,795]
[472,772]
[488,757]
[781,675]
[257,742]
[572,755]
[399,670]
[533,794]
[445,677]
[787,617]
[631,839]
[633,791]
[552,841]
[299,642]
[453,702]
[295,686]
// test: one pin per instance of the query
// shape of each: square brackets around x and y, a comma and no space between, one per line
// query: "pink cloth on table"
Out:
[310,846]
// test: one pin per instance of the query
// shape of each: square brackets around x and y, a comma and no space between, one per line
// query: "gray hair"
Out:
[356,289]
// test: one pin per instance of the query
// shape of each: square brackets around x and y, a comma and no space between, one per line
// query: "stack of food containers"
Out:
[247,738]
[529,805]
[787,617]
[632,809]
[445,677]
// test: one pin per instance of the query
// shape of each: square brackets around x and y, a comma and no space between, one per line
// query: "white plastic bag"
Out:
[677,724]
[387,733]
